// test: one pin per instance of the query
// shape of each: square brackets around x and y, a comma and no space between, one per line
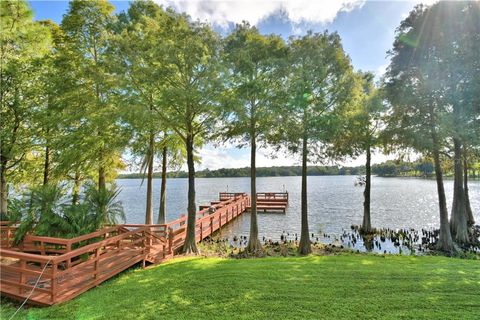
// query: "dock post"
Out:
[53,284]
[23,266]
[170,240]
[211,225]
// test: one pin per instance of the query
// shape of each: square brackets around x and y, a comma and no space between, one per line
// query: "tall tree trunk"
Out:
[101,178]
[468,207]
[305,246]
[254,244]
[163,190]
[3,187]
[76,188]
[458,218]
[367,224]
[101,169]
[150,157]
[46,165]
[445,242]
[190,245]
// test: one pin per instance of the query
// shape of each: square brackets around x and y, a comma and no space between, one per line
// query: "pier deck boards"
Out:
[271,202]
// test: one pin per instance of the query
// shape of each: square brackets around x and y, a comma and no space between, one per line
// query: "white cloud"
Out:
[230,157]
[222,12]
[216,158]
[427,2]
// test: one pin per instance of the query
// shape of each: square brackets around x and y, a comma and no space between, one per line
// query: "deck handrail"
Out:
[92,246]
[274,195]
[24,255]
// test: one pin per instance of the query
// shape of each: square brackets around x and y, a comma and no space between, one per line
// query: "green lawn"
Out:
[317,287]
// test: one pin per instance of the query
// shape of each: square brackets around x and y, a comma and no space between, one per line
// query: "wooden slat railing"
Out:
[71,273]
[272,196]
[72,266]
[52,245]
[7,232]
[228,195]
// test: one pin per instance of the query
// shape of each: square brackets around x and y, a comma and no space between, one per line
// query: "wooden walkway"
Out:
[67,267]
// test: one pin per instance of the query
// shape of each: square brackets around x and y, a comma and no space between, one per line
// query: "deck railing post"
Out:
[23,265]
[201,230]
[170,240]
[146,246]
[9,235]
[95,265]
[53,284]
[150,238]
[69,248]
[211,225]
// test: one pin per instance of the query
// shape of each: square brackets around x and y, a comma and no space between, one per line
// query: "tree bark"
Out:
[163,190]
[367,224]
[76,188]
[101,169]
[254,244]
[46,165]
[305,246]
[101,178]
[190,245]
[150,157]
[468,207]
[445,242]
[458,218]
[3,187]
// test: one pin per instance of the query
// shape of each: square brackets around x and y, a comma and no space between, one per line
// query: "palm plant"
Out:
[78,220]
[14,212]
[103,204]
[46,211]
[42,211]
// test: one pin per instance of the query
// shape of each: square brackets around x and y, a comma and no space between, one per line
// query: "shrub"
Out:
[48,211]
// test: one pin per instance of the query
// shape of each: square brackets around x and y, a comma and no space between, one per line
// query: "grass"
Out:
[344,286]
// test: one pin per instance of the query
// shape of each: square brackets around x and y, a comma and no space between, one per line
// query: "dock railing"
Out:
[273,196]
[66,275]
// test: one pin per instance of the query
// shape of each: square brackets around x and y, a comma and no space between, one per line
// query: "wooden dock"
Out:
[66,268]
[271,202]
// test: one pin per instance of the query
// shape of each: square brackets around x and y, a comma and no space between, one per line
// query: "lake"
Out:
[334,202]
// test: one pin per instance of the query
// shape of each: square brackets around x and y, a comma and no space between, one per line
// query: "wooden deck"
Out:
[271,202]
[66,268]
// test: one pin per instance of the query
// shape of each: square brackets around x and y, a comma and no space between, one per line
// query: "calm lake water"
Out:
[334,202]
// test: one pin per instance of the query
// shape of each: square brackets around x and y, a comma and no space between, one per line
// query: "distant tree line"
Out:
[390,168]
[280,171]
[421,168]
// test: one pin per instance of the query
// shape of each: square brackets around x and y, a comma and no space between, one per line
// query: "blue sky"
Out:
[366,27]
